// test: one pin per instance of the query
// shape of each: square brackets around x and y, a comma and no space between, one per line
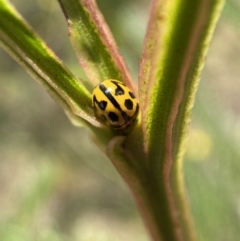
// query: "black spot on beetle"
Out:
[115,82]
[119,91]
[137,109]
[113,116]
[128,104]
[131,95]
[102,104]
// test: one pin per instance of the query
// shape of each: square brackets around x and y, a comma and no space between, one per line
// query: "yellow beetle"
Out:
[115,104]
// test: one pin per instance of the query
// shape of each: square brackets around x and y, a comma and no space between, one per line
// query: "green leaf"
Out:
[29,50]
[93,43]
[184,44]
[175,48]
[150,157]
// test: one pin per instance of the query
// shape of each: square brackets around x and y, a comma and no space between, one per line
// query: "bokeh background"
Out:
[56,185]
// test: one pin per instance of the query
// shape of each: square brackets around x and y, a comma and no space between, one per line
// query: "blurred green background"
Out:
[56,185]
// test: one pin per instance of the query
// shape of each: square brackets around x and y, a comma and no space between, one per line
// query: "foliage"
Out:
[131,137]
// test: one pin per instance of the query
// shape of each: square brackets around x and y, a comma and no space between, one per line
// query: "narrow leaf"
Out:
[177,40]
[29,50]
[94,43]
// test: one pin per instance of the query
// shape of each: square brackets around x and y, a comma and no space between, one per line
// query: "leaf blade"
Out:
[29,50]
[94,44]
[176,61]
